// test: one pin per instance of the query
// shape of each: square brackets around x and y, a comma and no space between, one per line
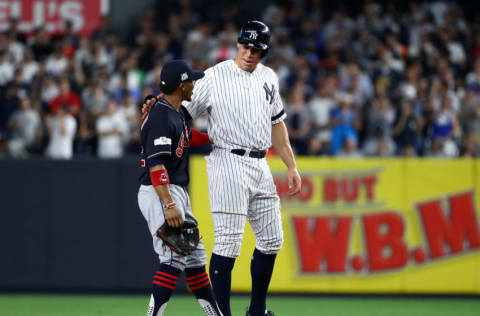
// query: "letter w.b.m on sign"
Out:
[454,226]
[322,238]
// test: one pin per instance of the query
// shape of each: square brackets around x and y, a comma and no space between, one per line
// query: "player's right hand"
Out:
[294,181]
[173,217]
[147,106]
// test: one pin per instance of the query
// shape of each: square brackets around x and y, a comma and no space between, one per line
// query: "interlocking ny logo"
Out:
[269,93]
[253,34]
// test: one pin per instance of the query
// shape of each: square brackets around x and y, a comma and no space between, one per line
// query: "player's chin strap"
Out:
[208,308]
[151,308]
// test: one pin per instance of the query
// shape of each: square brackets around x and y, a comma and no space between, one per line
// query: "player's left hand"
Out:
[173,217]
[294,181]
[147,106]
[183,240]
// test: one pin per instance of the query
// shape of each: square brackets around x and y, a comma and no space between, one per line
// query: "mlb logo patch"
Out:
[162,141]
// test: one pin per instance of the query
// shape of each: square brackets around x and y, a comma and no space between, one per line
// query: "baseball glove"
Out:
[183,240]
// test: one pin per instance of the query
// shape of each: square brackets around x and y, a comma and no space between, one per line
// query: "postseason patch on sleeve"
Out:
[162,141]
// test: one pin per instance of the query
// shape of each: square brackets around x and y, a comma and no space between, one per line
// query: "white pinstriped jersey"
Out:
[242,106]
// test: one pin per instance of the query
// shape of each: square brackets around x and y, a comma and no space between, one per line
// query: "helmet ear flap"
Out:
[264,52]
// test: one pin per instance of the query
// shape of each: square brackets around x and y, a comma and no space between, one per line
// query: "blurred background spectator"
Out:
[111,130]
[24,129]
[61,129]
[385,78]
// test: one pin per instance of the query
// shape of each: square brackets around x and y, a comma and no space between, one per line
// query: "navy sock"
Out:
[163,284]
[198,282]
[261,269]
[221,275]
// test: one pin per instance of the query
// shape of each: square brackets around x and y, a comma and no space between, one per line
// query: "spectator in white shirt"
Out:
[29,67]
[321,105]
[62,128]
[15,48]
[7,68]
[111,129]
[57,63]
[50,89]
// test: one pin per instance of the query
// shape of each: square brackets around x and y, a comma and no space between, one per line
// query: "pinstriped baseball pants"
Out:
[242,188]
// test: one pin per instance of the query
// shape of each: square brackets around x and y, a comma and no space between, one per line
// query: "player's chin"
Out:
[249,66]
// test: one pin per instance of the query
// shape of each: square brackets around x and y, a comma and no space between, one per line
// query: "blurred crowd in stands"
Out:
[386,80]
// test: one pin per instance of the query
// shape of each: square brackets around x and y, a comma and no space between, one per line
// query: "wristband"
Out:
[159,177]
[170,205]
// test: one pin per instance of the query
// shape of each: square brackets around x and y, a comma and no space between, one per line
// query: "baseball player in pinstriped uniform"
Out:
[165,137]
[245,114]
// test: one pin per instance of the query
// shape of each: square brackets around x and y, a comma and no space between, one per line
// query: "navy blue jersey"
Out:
[165,136]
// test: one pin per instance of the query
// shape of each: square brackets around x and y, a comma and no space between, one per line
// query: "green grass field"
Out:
[180,305]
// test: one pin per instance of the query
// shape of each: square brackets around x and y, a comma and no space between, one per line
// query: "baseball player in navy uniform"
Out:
[165,138]
[245,115]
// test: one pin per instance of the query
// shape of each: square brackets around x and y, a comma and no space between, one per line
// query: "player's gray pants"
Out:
[152,210]
[242,188]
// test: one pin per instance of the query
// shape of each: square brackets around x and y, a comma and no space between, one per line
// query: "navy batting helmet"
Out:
[255,34]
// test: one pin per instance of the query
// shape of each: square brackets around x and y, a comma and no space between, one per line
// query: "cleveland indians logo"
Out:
[269,92]
[182,143]
[253,34]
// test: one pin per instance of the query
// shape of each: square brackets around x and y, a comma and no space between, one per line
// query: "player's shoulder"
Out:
[266,70]
[222,67]
[223,64]
[160,108]
[161,112]
[209,73]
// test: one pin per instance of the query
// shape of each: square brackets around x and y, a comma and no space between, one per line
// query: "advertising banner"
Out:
[52,14]
[368,226]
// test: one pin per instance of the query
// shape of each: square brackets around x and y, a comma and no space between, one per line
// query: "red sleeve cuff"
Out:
[199,138]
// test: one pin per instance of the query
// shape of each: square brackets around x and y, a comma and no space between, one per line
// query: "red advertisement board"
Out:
[52,14]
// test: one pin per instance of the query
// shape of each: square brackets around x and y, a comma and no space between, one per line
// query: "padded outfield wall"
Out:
[73,225]
[358,226]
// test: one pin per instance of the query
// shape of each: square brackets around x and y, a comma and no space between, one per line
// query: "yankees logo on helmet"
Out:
[253,34]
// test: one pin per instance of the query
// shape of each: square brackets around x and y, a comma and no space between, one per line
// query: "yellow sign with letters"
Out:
[367,226]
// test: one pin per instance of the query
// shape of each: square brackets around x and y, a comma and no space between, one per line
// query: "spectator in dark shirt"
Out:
[299,120]
[70,37]
[406,131]
[103,30]
[13,29]
[9,103]
[41,45]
